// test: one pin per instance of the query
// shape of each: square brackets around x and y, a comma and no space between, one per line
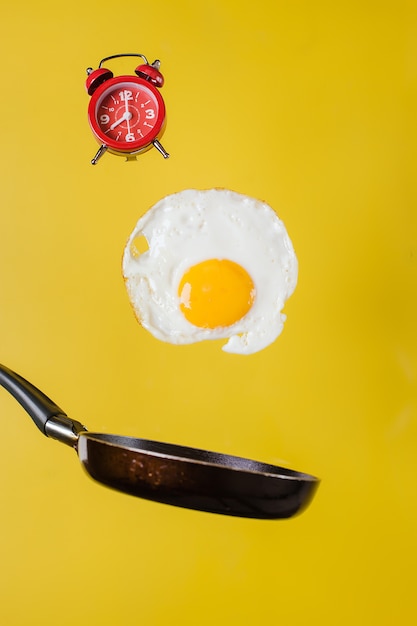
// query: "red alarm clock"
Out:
[126,113]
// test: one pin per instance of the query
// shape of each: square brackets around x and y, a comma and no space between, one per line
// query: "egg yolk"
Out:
[215,293]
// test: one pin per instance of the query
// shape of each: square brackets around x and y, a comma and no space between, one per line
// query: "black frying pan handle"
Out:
[37,404]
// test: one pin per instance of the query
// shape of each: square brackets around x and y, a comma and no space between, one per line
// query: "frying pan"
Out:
[167,473]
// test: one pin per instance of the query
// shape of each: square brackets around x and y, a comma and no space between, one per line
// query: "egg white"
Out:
[192,226]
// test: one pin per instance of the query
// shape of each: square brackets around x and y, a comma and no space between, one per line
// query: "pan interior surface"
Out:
[188,454]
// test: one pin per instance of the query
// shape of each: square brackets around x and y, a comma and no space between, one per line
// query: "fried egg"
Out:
[210,264]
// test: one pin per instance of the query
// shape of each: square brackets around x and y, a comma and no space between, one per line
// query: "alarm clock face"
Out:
[126,114]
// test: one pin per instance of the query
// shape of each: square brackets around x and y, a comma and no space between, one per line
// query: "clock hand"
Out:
[128,116]
[125,117]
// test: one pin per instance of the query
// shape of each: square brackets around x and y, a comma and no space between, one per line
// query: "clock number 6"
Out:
[130,137]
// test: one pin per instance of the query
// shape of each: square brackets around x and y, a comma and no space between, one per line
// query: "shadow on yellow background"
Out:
[310,107]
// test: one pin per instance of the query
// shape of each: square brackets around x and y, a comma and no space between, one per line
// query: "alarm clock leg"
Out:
[99,154]
[160,149]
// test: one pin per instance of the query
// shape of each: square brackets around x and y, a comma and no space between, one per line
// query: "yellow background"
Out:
[310,106]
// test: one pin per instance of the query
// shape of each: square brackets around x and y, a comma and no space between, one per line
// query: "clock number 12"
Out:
[126,94]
